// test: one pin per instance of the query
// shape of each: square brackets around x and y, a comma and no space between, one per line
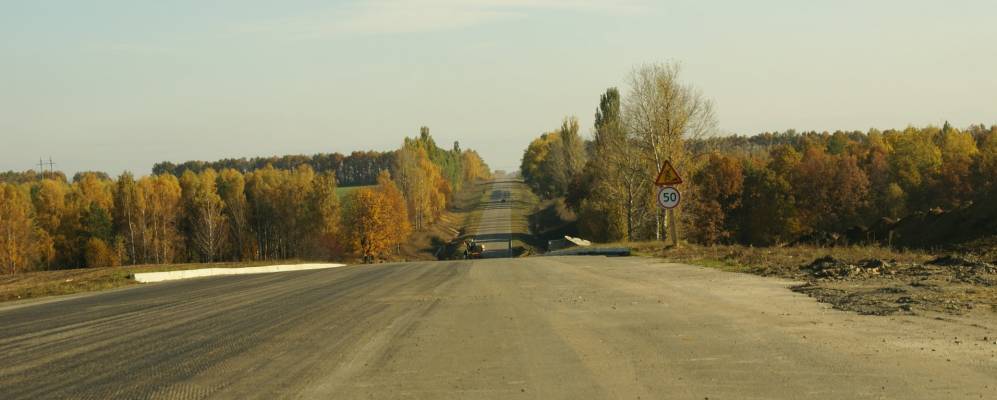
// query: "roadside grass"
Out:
[36,284]
[782,261]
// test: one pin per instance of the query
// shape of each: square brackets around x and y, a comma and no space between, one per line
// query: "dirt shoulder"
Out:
[865,279]
[37,284]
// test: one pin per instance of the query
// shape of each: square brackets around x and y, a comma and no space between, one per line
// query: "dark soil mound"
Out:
[830,267]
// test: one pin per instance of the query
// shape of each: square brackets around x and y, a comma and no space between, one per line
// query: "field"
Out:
[345,190]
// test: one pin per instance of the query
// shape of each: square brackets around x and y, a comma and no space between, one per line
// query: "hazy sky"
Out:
[116,85]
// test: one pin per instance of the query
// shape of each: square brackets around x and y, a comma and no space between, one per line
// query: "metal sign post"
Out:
[669,197]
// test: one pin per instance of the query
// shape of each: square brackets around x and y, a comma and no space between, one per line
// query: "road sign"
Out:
[668,197]
[667,176]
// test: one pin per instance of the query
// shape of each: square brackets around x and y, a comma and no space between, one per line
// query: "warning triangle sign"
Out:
[667,176]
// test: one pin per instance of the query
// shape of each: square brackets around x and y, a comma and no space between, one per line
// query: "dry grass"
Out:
[786,261]
[52,283]
[909,284]
[781,261]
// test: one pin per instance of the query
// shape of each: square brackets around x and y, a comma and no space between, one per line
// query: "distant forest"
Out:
[357,169]
[230,210]
[766,189]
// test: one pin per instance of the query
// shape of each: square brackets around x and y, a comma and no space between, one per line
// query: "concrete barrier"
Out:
[147,277]
[589,251]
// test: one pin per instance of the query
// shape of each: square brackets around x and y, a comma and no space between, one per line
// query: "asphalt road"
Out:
[531,328]
[497,228]
[542,328]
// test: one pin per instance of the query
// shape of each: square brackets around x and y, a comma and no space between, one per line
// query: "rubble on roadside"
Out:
[951,284]
[833,268]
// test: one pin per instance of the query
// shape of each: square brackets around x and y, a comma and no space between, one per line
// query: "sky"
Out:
[120,85]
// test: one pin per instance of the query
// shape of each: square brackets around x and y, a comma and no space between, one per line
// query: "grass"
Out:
[62,282]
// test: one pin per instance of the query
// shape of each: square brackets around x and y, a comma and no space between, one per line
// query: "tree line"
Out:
[765,189]
[207,215]
[357,169]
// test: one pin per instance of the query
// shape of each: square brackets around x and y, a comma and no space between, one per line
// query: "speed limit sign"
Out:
[668,197]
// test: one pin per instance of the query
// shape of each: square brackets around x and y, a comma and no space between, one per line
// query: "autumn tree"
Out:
[160,210]
[533,165]
[663,114]
[831,191]
[719,184]
[88,219]
[365,217]
[204,222]
[325,213]
[953,186]
[985,166]
[395,201]
[23,245]
[48,198]
[565,157]
[614,178]
[767,214]
[231,186]
[422,184]
[475,168]
[126,216]
[913,161]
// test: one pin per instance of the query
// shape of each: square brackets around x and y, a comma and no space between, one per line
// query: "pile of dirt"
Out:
[953,284]
[828,267]
[958,261]
[951,228]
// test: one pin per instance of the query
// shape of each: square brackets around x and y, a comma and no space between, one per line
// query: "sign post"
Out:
[669,197]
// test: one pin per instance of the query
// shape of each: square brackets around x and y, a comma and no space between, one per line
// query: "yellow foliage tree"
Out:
[474,166]
[367,222]
[375,219]
[395,202]
[424,187]
[22,245]
[99,254]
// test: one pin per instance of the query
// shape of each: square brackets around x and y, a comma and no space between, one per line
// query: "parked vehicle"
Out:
[473,249]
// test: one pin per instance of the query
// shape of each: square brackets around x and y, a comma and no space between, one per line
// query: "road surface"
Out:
[528,328]
[502,224]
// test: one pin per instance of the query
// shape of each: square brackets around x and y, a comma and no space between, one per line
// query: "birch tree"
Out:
[662,114]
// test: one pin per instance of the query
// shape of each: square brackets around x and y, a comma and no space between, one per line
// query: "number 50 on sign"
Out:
[668,197]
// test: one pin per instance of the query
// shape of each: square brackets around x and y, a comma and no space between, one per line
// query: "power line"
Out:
[42,164]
